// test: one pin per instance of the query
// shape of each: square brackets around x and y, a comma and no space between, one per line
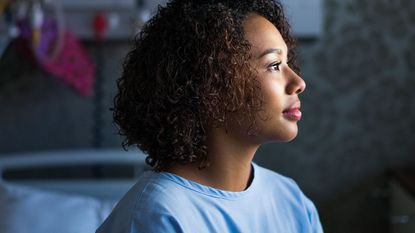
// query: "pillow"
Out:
[23,210]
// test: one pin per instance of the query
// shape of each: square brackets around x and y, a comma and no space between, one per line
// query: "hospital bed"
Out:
[64,191]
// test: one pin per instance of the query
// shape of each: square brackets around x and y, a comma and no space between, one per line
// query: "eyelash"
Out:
[276,65]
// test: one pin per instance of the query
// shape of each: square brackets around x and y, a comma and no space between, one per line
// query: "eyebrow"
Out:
[272,50]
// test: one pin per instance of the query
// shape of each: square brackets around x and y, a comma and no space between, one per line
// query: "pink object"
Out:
[71,64]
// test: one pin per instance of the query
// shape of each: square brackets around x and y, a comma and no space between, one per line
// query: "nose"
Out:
[295,84]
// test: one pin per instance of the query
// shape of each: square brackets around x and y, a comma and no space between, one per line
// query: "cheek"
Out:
[273,95]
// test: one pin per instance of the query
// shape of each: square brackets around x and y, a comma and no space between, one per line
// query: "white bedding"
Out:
[28,210]
[61,207]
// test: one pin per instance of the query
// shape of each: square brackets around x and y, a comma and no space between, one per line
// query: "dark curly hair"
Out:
[189,70]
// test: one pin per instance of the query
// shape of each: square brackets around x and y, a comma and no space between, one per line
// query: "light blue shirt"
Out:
[164,202]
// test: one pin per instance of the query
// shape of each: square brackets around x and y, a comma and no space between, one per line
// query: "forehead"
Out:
[263,35]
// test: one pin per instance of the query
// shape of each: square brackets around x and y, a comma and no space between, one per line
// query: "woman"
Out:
[207,83]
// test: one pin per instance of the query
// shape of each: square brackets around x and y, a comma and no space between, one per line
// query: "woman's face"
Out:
[280,85]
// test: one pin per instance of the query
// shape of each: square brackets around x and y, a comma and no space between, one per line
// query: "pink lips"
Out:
[293,114]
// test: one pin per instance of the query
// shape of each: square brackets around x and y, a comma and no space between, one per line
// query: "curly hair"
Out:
[189,70]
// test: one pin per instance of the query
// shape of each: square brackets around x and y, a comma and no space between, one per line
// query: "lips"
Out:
[293,113]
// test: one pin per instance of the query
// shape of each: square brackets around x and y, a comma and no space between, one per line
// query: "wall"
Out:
[40,112]
[359,114]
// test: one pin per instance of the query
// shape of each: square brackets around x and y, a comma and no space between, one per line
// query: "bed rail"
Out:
[104,189]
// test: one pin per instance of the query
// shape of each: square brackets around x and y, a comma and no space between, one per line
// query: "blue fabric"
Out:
[164,202]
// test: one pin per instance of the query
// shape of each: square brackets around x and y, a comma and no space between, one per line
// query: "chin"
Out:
[289,135]
[290,138]
[277,134]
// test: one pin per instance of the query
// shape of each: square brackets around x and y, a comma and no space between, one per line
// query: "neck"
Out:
[229,163]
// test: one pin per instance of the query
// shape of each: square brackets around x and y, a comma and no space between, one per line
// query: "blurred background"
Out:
[354,155]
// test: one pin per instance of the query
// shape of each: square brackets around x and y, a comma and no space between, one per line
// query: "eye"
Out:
[274,66]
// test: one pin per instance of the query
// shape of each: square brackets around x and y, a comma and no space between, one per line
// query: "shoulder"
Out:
[155,191]
[273,180]
[291,196]
[277,184]
[149,206]
[144,222]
